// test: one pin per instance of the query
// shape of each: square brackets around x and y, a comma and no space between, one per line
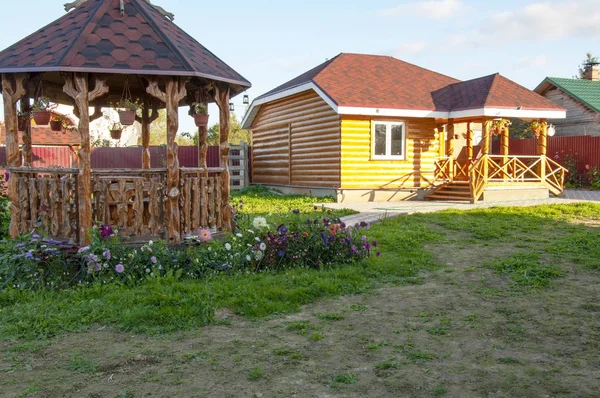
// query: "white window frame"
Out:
[388,141]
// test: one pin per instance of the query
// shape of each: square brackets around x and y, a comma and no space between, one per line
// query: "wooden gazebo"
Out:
[85,59]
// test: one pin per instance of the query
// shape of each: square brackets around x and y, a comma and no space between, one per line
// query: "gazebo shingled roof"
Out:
[96,38]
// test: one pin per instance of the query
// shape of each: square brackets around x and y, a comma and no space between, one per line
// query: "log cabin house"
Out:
[100,52]
[581,99]
[375,128]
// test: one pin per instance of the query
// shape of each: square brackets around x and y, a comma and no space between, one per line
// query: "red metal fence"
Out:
[585,149]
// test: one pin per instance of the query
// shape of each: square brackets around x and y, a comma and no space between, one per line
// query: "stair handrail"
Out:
[478,177]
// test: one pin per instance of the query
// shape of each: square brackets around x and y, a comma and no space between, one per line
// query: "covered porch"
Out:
[468,172]
[125,50]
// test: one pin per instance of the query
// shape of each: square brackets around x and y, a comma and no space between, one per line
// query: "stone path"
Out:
[375,211]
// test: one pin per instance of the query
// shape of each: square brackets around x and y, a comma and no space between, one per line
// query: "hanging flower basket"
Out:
[22,123]
[201,120]
[115,134]
[41,118]
[56,125]
[127,118]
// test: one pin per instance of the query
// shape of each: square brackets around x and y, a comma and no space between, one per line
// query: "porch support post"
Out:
[469,143]
[485,145]
[12,89]
[504,141]
[450,149]
[76,86]
[542,147]
[174,92]
[26,148]
[442,140]
[222,100]
[202,134]
[146,133]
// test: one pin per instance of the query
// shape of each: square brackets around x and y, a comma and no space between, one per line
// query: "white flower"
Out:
[251,231]
[257,239]
[150,243]
[83,249]
[239,235]
[227,246]
[259,255]
[260,223]
[263,246]
[248,258]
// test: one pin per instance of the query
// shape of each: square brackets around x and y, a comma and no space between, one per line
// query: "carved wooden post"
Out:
[76,86]
[146,134]
[222,100]
[504,150]
[442,138]
[25,109]
[12,89]
[175,91]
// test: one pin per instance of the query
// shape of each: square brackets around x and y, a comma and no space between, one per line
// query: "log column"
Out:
[76,86]
[450,149]
[146,134]
[12,90]
[25,110]
[469,143]
[174,92]
[222,100]
[485,145]
[542,147]
[442,140]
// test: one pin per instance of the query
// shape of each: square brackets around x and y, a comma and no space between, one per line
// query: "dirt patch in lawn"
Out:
[463,331]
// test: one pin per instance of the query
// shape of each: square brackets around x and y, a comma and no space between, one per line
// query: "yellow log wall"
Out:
[310,156]
[360,172]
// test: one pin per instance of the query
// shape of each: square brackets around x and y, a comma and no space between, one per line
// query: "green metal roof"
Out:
[585,91]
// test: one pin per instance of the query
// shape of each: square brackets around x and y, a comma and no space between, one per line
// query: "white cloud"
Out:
[545,21]
[434,9]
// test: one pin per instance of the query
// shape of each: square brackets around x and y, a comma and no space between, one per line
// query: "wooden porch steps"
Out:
[454,191]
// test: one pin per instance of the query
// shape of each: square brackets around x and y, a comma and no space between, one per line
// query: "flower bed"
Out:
[31,262]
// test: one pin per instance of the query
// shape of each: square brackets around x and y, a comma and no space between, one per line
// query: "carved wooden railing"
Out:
[200,199]
[444,170]
[516,169]
[131,200]
[47,201]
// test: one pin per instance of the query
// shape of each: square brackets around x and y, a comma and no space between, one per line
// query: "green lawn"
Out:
[490,302]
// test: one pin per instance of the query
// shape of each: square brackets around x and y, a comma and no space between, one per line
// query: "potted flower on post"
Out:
[40,110]
[127,111]
[200,114]
[536,128]
[57,122]
[499,125]
[115,131]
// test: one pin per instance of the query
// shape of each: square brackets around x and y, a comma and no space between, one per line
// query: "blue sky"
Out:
[270,42]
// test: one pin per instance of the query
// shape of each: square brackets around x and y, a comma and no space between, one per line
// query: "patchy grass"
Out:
[494,302]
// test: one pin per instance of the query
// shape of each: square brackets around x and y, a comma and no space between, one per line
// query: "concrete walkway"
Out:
[375,211]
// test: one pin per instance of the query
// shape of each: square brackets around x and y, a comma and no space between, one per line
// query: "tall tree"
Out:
[589,58]
[236,135]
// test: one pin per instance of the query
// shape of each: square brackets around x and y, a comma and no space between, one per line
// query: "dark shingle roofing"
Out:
[493,91]
[374,81]
[585,91]
[95,37]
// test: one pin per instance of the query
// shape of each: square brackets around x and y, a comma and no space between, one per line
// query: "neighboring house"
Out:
[581,99]
[367,127]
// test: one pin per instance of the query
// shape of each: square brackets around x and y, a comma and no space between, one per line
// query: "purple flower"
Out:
[35,236]
[153,259]
[281,253]
[283,229]
[107,254]
[325,240]
[106,231]
[119,268]
[363,238]
[354,249]
[296,211]
[29,255]
[374,243]
[97,267]
[6,176]
[367,246]
[309,221]
[364,224]
[343,225]
[378,254]
[326,222]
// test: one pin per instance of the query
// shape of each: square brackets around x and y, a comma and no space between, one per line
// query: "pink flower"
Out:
[153,259]
[204,235]
[119,268]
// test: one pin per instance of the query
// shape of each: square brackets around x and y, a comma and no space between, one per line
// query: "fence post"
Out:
[238,166]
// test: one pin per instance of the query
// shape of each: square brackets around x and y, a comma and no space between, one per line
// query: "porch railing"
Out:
[131,200]
[47,201]
[450,169]
[516,169]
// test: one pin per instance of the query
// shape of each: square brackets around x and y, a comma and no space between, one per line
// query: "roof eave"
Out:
[243,83]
